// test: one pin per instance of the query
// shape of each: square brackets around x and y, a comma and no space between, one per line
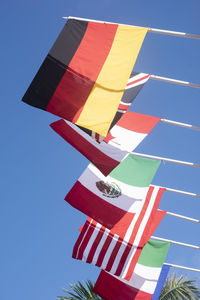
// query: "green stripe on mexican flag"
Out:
[115,198]
[144,170]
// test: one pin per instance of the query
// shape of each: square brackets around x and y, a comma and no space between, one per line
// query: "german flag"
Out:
[84,75]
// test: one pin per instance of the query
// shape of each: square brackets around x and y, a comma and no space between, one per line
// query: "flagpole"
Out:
[166,159]
[181,82]
[176,243]
[180,124]
[153,30]
[179,192]
[182,217]
[174,33]
[182,267]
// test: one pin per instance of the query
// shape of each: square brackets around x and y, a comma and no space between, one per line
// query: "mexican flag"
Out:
[144,279]
[114,200]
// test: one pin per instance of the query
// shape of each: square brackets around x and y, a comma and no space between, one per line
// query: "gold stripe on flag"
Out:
[103,101]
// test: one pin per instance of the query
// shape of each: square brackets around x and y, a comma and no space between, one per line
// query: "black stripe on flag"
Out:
[55,64]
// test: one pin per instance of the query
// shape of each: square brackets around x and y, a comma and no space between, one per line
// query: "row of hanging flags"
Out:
[85,80]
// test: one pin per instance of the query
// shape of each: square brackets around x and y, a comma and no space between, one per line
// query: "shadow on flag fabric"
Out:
[115,252]
[84,75]
[133,87]
[104,156]
[130,130]
[144,280]
[117,197]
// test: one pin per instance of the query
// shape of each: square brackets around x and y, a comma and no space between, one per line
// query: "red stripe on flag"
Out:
[137,80]
[153,222]
[104,250]
[123,224]
[95,245]
[124,106]
[137,122]
[113,255]
[86,239]
[76,84]
[123,259]
[139,220]
[102,161]
[95,207]
[111,288]
[155,218]
[144,236]
[83,231]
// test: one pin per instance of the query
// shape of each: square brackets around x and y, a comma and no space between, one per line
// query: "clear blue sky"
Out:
[38,228]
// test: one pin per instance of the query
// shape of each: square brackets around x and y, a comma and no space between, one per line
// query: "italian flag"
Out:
[114,200]
[144,279]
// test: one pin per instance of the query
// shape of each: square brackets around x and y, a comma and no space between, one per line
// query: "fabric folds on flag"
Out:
[117,197]
[130,130]
[104,156]
[133,87]
[115,252]
[84,75]
[144,279]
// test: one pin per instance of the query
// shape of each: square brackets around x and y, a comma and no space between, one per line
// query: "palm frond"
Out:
[179,289]
[80,291]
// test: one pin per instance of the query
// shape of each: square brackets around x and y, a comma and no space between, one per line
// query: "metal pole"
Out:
[181,82]
[174,242]
[153,30]
[166,159]
[174,33]
[179,192]
[180,124]
[182,267]
[182,217]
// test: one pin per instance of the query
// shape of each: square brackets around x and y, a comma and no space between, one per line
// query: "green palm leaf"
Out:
[80,291]
[179,289]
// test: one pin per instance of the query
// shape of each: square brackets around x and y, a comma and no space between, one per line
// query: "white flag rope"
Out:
[167,159]
[175,242]
[153,30]
[182,267]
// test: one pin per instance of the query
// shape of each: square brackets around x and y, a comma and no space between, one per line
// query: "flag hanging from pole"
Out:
[103,155]
[129,131]
[133,87]
[144,280]
[101,247]
[84,75]
[117,197]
